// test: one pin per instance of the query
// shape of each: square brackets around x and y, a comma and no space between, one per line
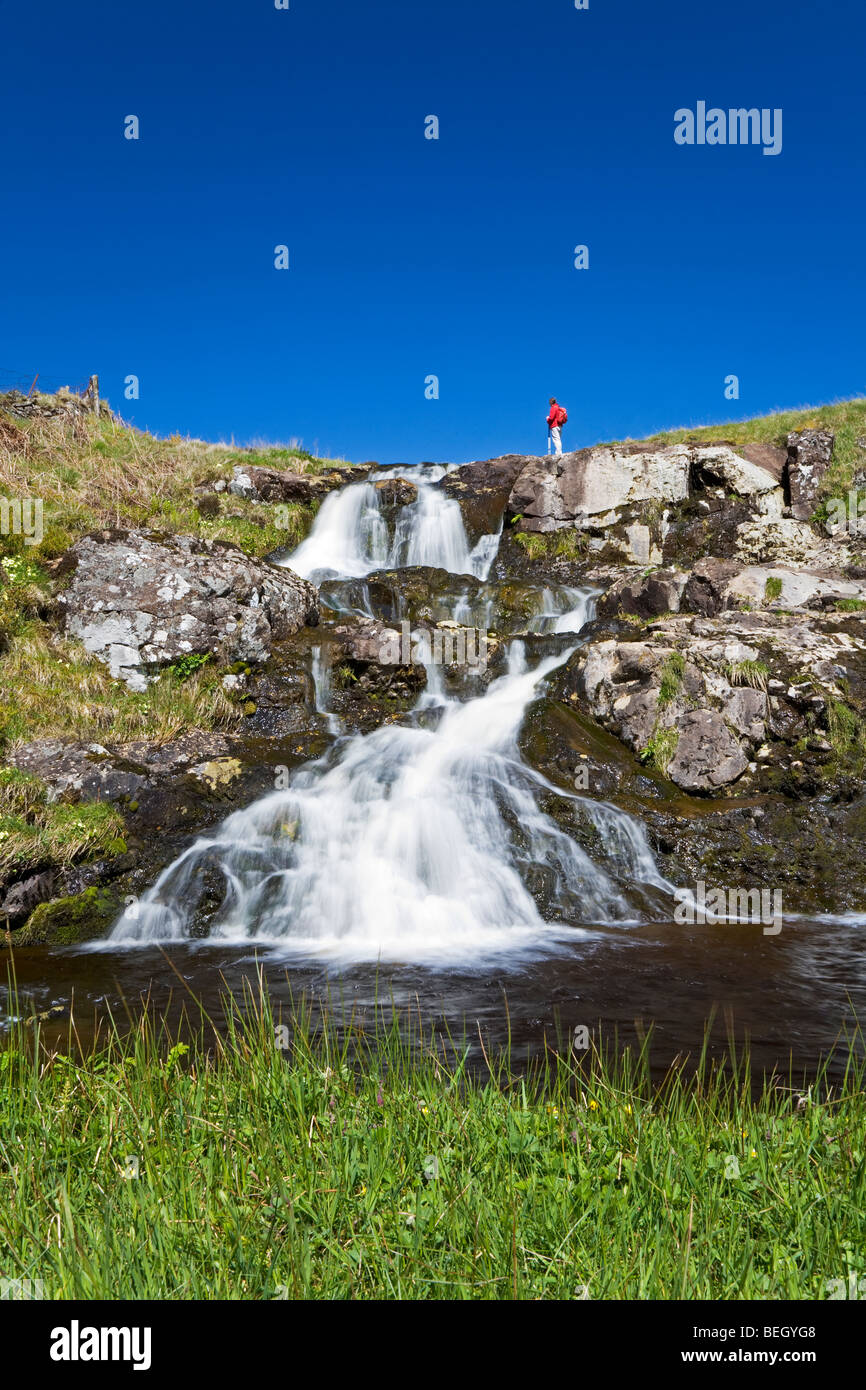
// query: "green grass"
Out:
[850,605]
[552,545]
[37,833]
[773,588]
[748,672]
[672,672]
[380,1168]
[50,687]
[105,474]
[660,748]
[847,735]
[344,677]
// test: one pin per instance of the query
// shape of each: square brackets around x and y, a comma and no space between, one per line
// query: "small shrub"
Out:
[660,749]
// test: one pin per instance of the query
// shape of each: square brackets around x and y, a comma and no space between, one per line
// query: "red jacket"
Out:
[556,416]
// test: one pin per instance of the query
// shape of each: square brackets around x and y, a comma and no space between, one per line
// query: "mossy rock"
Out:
[66,921]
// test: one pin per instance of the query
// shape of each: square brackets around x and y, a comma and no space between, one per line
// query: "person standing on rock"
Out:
[555,421]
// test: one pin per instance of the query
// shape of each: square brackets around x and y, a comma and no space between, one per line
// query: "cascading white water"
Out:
[321,672]
[564,610]
[350,536]
[410,843]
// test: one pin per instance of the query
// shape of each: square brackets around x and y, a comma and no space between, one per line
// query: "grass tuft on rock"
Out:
[567,544]
[35,832]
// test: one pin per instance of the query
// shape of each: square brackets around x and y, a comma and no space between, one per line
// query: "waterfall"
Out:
[350,536]
[321,672]
[423,841]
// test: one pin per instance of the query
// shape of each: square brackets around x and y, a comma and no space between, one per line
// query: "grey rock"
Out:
[139,601]
[746,713]
[708,755]
[22,897]
[645,595]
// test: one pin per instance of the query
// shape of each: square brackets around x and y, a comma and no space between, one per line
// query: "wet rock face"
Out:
[483,489]
[394,493]
[371,673]
[420,594]
[139,601]
[809,455]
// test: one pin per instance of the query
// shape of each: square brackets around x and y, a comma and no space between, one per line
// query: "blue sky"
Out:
[412,257]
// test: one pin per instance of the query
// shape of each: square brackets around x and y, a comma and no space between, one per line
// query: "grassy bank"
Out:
[103,473]
[380,1168]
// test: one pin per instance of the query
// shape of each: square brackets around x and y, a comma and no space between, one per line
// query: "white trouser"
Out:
[556,433]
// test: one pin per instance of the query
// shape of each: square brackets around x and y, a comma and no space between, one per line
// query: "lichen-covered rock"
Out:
[165,785]
[809,456]
[138,601]
[759,540]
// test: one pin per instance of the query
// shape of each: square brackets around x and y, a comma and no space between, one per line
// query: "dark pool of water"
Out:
[792,996]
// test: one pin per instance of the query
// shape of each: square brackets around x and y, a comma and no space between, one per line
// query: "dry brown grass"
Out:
[102,473]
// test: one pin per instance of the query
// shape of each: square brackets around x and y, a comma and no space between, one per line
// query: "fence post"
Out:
[93,393]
